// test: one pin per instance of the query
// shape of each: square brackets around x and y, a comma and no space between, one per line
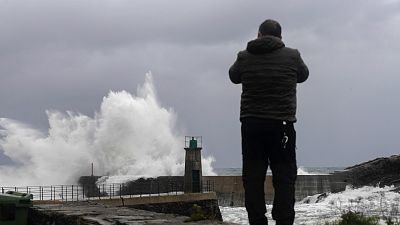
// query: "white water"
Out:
[368,200]
[131,136]
[300,171]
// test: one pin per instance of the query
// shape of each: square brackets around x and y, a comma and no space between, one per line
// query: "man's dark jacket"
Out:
[269,73]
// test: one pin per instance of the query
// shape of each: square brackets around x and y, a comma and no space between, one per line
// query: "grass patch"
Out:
[196,214]
[355,218]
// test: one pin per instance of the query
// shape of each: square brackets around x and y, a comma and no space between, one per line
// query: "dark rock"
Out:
[315,198]
[321,197]
[380,171]
[161,184]
[141,186]
[89,187]
[209,207]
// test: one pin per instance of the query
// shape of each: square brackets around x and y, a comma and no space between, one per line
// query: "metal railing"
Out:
[103,191]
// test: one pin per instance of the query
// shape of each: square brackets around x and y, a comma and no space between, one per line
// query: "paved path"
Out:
[86,213]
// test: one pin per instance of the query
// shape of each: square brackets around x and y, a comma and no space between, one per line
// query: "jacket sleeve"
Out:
[302,71]
[234,72]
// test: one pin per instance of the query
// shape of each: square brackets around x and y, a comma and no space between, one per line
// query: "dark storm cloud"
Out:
[66,55]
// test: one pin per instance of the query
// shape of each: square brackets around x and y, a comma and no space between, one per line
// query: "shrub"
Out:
[196,214]
[389,221]
[353,218]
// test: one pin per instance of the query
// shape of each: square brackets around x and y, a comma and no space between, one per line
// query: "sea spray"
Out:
[371,201]
[131,136]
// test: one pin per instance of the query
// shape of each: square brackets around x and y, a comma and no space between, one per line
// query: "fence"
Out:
[104,191]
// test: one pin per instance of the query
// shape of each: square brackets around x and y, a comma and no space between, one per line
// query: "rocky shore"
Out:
[384,171]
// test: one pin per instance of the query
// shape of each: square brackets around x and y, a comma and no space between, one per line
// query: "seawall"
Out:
[230,190]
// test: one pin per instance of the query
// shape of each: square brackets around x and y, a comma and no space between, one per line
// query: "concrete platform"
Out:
[85,213]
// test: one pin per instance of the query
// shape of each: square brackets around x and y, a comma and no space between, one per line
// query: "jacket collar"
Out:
[264,44]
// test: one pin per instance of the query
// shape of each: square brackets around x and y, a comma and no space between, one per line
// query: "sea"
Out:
[300,171]
[382,202]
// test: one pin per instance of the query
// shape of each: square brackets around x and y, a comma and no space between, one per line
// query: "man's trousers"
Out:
[263,145]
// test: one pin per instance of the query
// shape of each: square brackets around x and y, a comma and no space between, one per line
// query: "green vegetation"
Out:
[354,218]
[390,221]
[197,214]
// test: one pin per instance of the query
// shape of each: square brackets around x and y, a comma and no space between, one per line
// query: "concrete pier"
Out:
[89,213]
[167,209]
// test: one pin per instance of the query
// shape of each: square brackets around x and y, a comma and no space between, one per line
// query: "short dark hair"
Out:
[270,27]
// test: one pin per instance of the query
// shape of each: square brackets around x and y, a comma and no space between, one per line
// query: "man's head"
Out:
[270,27]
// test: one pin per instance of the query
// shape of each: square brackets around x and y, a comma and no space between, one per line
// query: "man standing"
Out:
[269,73]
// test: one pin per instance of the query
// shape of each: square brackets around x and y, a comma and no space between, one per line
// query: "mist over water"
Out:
[131,135]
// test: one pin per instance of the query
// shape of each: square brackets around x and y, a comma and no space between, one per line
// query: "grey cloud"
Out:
[67,55]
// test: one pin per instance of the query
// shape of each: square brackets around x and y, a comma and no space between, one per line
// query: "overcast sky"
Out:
[68,54]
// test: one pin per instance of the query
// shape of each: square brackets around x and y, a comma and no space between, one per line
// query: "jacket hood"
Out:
[264,44]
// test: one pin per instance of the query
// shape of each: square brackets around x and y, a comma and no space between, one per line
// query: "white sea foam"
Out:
[368,200]
[131,136]
[302,171]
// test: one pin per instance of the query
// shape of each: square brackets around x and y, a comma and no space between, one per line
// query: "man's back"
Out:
[268,72]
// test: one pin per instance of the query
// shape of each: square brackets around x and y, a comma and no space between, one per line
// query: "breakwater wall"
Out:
[230,190]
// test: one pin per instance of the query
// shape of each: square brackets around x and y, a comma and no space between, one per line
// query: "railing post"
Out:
[151,187]
[130,186]
[213,185]
[158,187]
[176,187]
[110,191]
[99,192]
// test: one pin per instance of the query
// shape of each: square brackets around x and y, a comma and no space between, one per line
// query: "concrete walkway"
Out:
[85,213]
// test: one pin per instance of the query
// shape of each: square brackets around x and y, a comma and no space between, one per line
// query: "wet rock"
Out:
[381,171]
[315,198]
[209,207]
